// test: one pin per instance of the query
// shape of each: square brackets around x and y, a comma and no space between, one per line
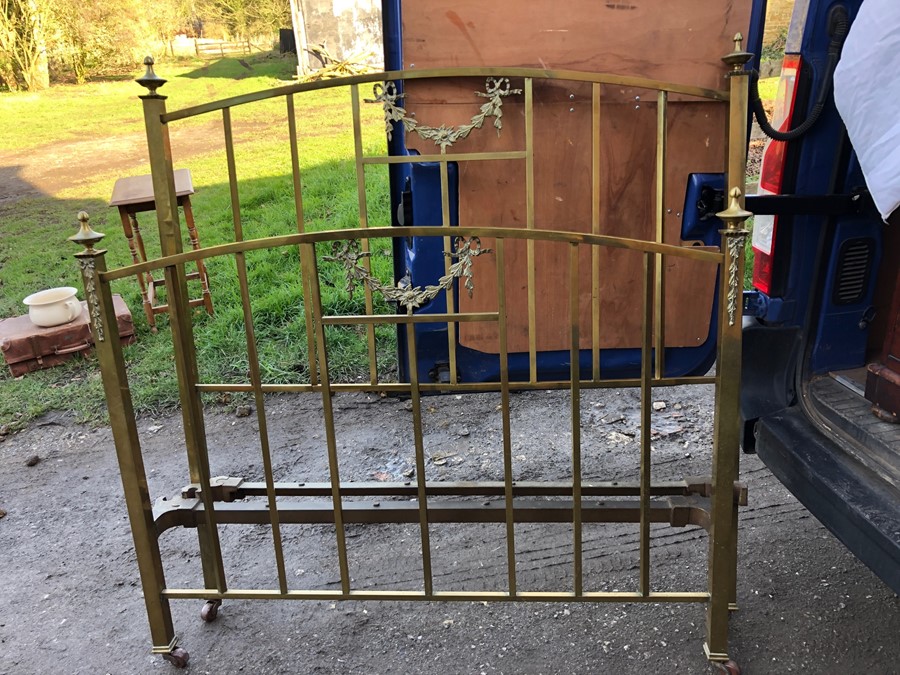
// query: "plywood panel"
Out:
[587,36]
[493,194]
[673,40]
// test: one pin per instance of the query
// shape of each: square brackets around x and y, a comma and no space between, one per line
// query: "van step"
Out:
[850,412]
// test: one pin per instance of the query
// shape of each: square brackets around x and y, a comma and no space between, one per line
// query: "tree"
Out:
[168,17]
[246,18]
[23,52]
[92,37]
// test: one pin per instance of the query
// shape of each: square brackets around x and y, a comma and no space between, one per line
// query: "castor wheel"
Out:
[729,668]
[210,610]
[177,657]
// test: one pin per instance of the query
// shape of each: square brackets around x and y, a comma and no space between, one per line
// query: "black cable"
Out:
[839,25]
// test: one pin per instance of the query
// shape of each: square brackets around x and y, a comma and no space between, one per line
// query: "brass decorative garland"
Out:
[496,89]
[90,290]
[735,249]
[348,254]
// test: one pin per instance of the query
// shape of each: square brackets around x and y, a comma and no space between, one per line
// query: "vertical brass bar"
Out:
[259,399]
[185,357]
[646,408]
[529,223]
[295,162]
[253,358]
[308,254]
[575,377]
[128,448]
[416,398]
[450,294]
[232,175]
[659,265]
[504,412]
[595,228]
[653,346]
[364,222]
[298,209]
[661,137]
[737,132]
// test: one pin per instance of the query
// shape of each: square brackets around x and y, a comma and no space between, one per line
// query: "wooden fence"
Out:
[207,47]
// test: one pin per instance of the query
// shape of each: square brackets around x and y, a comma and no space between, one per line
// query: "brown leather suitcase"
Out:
[27,347]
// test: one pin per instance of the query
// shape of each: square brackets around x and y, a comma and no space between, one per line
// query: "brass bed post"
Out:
[105,331]
[727,433]
[161,169]
[739,82]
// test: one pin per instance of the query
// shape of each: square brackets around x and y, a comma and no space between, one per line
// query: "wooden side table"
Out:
[135,195]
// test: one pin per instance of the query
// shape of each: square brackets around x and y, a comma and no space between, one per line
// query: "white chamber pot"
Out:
[53,307]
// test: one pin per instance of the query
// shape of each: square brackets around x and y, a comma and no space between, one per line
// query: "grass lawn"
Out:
[768,88]
[34,253]
[70,111]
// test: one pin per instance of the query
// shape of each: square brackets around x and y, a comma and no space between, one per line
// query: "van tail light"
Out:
[771,174]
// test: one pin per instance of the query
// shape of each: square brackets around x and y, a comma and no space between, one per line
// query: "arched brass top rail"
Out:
[434,73]
[688,252]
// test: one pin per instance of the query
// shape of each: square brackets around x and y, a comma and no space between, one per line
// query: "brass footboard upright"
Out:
[475,254]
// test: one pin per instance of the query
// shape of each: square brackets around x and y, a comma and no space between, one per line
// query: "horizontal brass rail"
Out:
[675,510]
[404,388]
[434,73]
[459,596]
[450,156]
[354,319]
[688,252]
[454,488]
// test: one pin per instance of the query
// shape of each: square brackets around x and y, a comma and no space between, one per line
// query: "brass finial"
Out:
[85,235]
[734,215]
[151,80]
[737,58]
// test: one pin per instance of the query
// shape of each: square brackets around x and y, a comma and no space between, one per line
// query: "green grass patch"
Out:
[768,88]
[748,256]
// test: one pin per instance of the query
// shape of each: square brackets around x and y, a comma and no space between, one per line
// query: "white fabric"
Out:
[867,95]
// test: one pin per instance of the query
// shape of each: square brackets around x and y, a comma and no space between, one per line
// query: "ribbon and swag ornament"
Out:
[349,255]
[496,89]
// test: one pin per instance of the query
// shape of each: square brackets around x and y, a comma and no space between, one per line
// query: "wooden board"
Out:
[680,41]
[493,194]
[673,40]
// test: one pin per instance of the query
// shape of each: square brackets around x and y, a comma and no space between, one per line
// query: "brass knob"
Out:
[738,57]
[151,80]
[734,215]
[85,235]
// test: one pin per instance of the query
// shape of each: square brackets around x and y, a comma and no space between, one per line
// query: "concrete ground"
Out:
[70,599]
